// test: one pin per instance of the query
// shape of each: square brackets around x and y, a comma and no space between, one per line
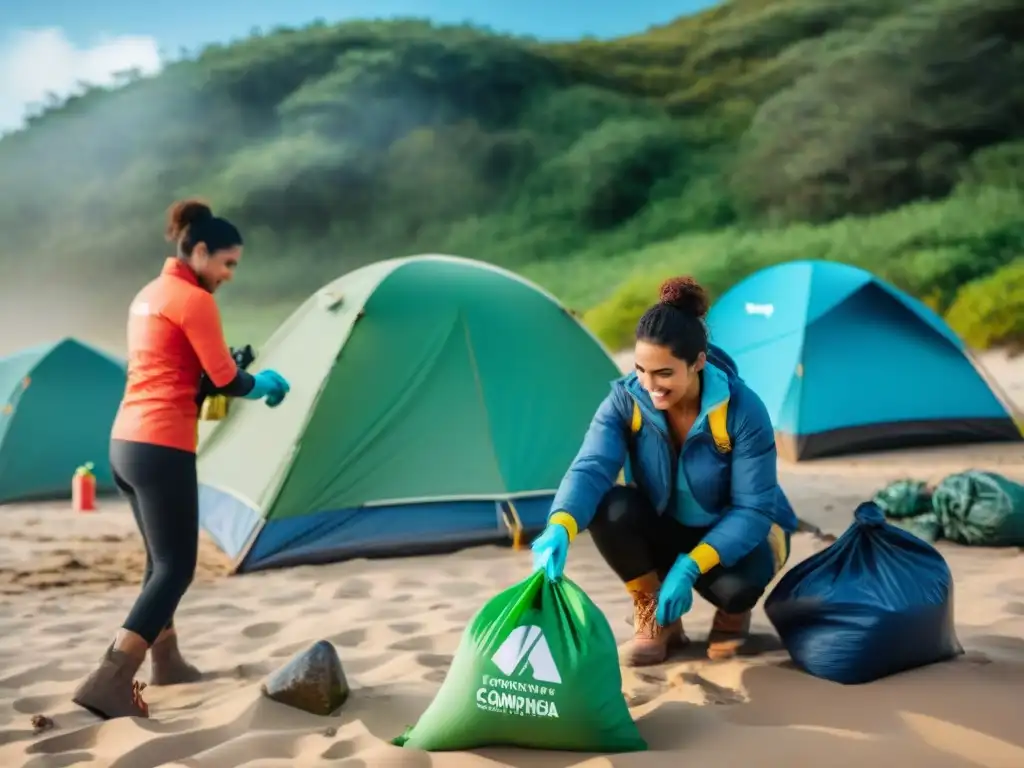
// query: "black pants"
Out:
[161,486]
[635,540]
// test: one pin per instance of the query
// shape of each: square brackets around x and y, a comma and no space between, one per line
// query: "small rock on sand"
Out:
[312,680]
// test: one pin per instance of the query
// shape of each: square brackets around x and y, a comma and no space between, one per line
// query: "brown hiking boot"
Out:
[651,641]
[168,666]
[111,690]
[728,633]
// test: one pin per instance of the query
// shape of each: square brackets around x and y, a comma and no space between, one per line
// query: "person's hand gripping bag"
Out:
[876,602]
[537,667]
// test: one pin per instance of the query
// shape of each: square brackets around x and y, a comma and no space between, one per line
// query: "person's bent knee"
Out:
[733,594]
[620,505]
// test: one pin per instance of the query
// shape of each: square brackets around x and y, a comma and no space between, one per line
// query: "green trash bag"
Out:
[925,527]
[537,667]
[981,509]
[904,498]
[907,504]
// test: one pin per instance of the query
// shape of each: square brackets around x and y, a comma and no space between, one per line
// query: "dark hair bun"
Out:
[183,214]
[686,295]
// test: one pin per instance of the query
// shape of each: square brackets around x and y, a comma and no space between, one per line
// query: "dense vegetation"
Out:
[889,135]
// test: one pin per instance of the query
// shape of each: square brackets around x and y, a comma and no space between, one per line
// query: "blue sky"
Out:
[193,22]
[47,46]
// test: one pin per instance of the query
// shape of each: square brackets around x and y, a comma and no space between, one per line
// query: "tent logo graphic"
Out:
[527,646]
[760,309]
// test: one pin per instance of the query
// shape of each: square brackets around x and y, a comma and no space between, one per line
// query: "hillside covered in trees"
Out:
[880,133]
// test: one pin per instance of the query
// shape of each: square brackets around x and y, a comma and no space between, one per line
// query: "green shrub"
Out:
[614,321]
[886,120]
[607,176]
[1001,165]
[990,312]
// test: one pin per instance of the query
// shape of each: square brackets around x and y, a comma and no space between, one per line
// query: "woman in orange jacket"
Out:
[174,336]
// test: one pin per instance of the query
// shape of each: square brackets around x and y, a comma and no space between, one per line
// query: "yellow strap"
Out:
[719,429]
[513,523]
[638,421]
[717,418]
[777,541]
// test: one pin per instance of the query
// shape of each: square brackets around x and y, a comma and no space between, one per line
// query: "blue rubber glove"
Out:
[270,385]
[550,549]
[676,597]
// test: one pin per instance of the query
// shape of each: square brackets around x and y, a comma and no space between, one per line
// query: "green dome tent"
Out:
[432,399]
[57,405]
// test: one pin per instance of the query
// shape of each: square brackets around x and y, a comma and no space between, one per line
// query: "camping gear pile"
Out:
[976,508]
[877,601]
[537,667]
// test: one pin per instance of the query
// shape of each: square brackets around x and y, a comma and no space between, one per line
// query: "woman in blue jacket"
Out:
[702,509]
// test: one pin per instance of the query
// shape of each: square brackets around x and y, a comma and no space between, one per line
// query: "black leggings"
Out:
[161,487]
[635,540]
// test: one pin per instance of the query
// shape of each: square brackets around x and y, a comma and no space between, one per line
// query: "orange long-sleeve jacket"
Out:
[174,334]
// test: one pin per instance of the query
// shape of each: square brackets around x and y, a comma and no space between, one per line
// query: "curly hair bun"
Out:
[686,295]
[183,214]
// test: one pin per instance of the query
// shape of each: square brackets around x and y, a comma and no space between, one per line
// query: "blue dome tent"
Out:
[847,363]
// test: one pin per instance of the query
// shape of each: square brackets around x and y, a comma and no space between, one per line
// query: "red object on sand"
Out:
[83,489]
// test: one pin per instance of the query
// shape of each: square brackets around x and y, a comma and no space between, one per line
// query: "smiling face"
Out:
[214,269]
[667,379]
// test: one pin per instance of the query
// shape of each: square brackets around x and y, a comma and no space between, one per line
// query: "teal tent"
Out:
[846,362]
[57,404]
[434,400]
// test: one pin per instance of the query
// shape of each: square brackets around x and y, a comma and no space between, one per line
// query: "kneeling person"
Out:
[704,512]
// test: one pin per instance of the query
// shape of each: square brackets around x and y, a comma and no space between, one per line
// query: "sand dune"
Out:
[66,581]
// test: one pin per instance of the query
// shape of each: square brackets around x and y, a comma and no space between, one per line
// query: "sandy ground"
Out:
[66,582]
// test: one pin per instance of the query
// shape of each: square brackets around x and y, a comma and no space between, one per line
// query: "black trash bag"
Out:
[876,602]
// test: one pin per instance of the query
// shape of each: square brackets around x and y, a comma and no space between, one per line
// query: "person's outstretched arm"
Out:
[593,472]
[202,326]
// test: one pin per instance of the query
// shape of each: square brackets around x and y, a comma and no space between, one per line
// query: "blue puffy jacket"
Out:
[737,494]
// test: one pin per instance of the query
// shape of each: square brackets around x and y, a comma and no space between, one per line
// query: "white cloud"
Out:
[36,62]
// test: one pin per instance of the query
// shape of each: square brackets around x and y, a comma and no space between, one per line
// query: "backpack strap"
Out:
[718,420]
[634,426]
[719,427]
[779,543]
